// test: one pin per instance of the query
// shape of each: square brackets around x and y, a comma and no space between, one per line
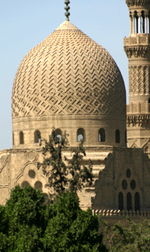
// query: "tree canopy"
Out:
[29,225]
[127,236]
[63,173]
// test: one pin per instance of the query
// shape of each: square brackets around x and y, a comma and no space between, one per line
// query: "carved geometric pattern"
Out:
[139,82]
[68,73]
[138,120]
[137,51]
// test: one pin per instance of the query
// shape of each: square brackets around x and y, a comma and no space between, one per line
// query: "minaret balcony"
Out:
[137,39]
[137,45]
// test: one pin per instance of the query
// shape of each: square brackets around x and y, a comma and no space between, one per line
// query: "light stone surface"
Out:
[109,184]
[70,82]
[137,48]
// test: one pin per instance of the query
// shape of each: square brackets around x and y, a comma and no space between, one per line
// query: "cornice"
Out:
[137,2]
[136,51]
[139,120]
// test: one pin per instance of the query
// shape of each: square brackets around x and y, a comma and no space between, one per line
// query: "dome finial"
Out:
[67,8]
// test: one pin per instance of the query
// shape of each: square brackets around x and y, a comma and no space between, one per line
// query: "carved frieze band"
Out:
[139,80]
[137,2]
[136,51]
[137,120]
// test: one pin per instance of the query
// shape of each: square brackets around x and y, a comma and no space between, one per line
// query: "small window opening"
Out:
[124,184]
[129,201]
[120,201]
[80,135]
[137,201]
[21,135]
[143,22]
[37,136]
[25,184]
[38,185]
[149,100]
[128,173]
[101,135]
[133,184]
[136,28]
[117,136]
[58,134]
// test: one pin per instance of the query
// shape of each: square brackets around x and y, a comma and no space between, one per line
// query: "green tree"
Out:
[3,229]
[64,173]
[29,225]
[25,211]
[128,236]
[70,228]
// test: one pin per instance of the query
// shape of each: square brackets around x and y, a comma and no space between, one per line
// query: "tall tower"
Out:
[137,48]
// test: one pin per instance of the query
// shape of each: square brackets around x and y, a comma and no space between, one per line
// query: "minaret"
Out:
[137,48]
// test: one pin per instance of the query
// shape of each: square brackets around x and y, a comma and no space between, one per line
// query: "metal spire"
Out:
[67,8]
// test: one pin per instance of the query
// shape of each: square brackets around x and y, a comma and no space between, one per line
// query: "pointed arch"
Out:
[101,135]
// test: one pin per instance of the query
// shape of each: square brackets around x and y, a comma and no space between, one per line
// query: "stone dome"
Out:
[68,73]
[67,77]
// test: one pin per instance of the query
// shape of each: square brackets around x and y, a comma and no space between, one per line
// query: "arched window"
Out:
[80,135]
[120,201]
[117,135]
[37,136]
[101,135]
[137,201]
[58,133]
[129,201]
[21,137]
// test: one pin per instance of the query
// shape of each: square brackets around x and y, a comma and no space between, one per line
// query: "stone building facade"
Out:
[71,83]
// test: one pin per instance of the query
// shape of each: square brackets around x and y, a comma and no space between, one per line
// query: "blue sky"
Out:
[24,24]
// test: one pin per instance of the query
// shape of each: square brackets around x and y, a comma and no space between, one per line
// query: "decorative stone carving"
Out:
[68,73]
[139,80]
[136,51]
[139,120]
